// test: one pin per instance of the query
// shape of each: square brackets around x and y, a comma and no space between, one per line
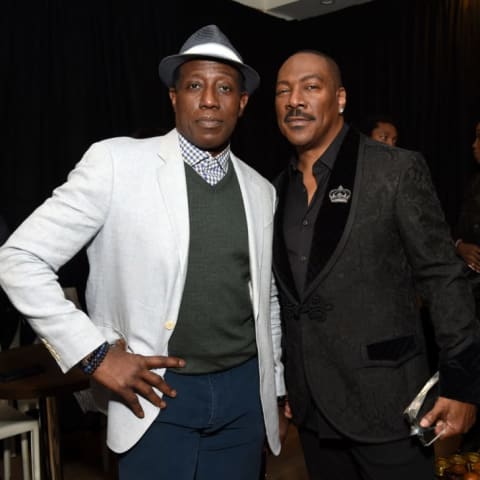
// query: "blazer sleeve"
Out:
[439,276]
[277,340]
[45,241]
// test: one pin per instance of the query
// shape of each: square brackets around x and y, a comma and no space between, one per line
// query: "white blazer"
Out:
[127,200]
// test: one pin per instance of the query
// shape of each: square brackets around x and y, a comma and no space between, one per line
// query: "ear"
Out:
[173,97]
[341,99]
[243,103]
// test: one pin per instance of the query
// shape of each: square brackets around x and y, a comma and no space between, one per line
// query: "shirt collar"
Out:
[192,155]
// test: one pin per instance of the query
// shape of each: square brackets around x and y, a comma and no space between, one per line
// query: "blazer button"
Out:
[169,324]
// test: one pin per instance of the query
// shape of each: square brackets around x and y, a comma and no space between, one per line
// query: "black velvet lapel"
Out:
[332,217]
[281,264]
[331,221]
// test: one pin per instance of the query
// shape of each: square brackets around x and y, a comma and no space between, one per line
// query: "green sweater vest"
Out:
[215,328]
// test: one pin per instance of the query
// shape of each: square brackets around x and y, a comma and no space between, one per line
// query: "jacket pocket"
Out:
[391,352]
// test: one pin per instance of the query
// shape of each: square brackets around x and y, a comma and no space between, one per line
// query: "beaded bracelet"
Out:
[90,363]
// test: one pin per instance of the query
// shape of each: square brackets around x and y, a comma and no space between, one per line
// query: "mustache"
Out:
[298,113]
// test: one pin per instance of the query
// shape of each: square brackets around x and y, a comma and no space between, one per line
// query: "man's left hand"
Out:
[451,416]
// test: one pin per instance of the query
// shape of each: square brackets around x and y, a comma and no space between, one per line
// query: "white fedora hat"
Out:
[208,43]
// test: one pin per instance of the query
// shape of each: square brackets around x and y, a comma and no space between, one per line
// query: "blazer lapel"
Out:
[252,202]
[336,215]
[173,188]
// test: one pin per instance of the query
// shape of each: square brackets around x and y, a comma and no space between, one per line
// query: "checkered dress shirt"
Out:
[211,169]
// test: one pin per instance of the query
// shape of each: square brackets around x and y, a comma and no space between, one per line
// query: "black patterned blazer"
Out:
[355,340]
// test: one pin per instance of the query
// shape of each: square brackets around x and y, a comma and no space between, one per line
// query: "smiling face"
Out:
[208,101]
[309,101]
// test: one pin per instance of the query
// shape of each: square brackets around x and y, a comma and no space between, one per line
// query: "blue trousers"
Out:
[212,430]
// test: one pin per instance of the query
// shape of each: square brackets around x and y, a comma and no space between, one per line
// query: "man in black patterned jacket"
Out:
[359,230]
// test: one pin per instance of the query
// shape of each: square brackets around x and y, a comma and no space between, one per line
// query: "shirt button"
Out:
[169,324]
[305,223]
[303,258]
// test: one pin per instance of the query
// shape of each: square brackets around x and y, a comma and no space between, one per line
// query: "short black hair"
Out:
[332,64]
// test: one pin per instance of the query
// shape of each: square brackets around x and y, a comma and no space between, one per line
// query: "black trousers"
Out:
[343,459]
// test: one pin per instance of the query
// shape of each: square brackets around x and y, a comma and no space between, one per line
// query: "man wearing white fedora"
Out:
[180,297]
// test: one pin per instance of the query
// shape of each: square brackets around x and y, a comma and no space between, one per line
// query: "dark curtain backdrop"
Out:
[76,72]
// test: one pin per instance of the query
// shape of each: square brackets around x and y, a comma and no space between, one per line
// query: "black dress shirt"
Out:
[300,217]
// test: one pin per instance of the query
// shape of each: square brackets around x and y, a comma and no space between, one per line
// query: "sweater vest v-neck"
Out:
[215,328]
